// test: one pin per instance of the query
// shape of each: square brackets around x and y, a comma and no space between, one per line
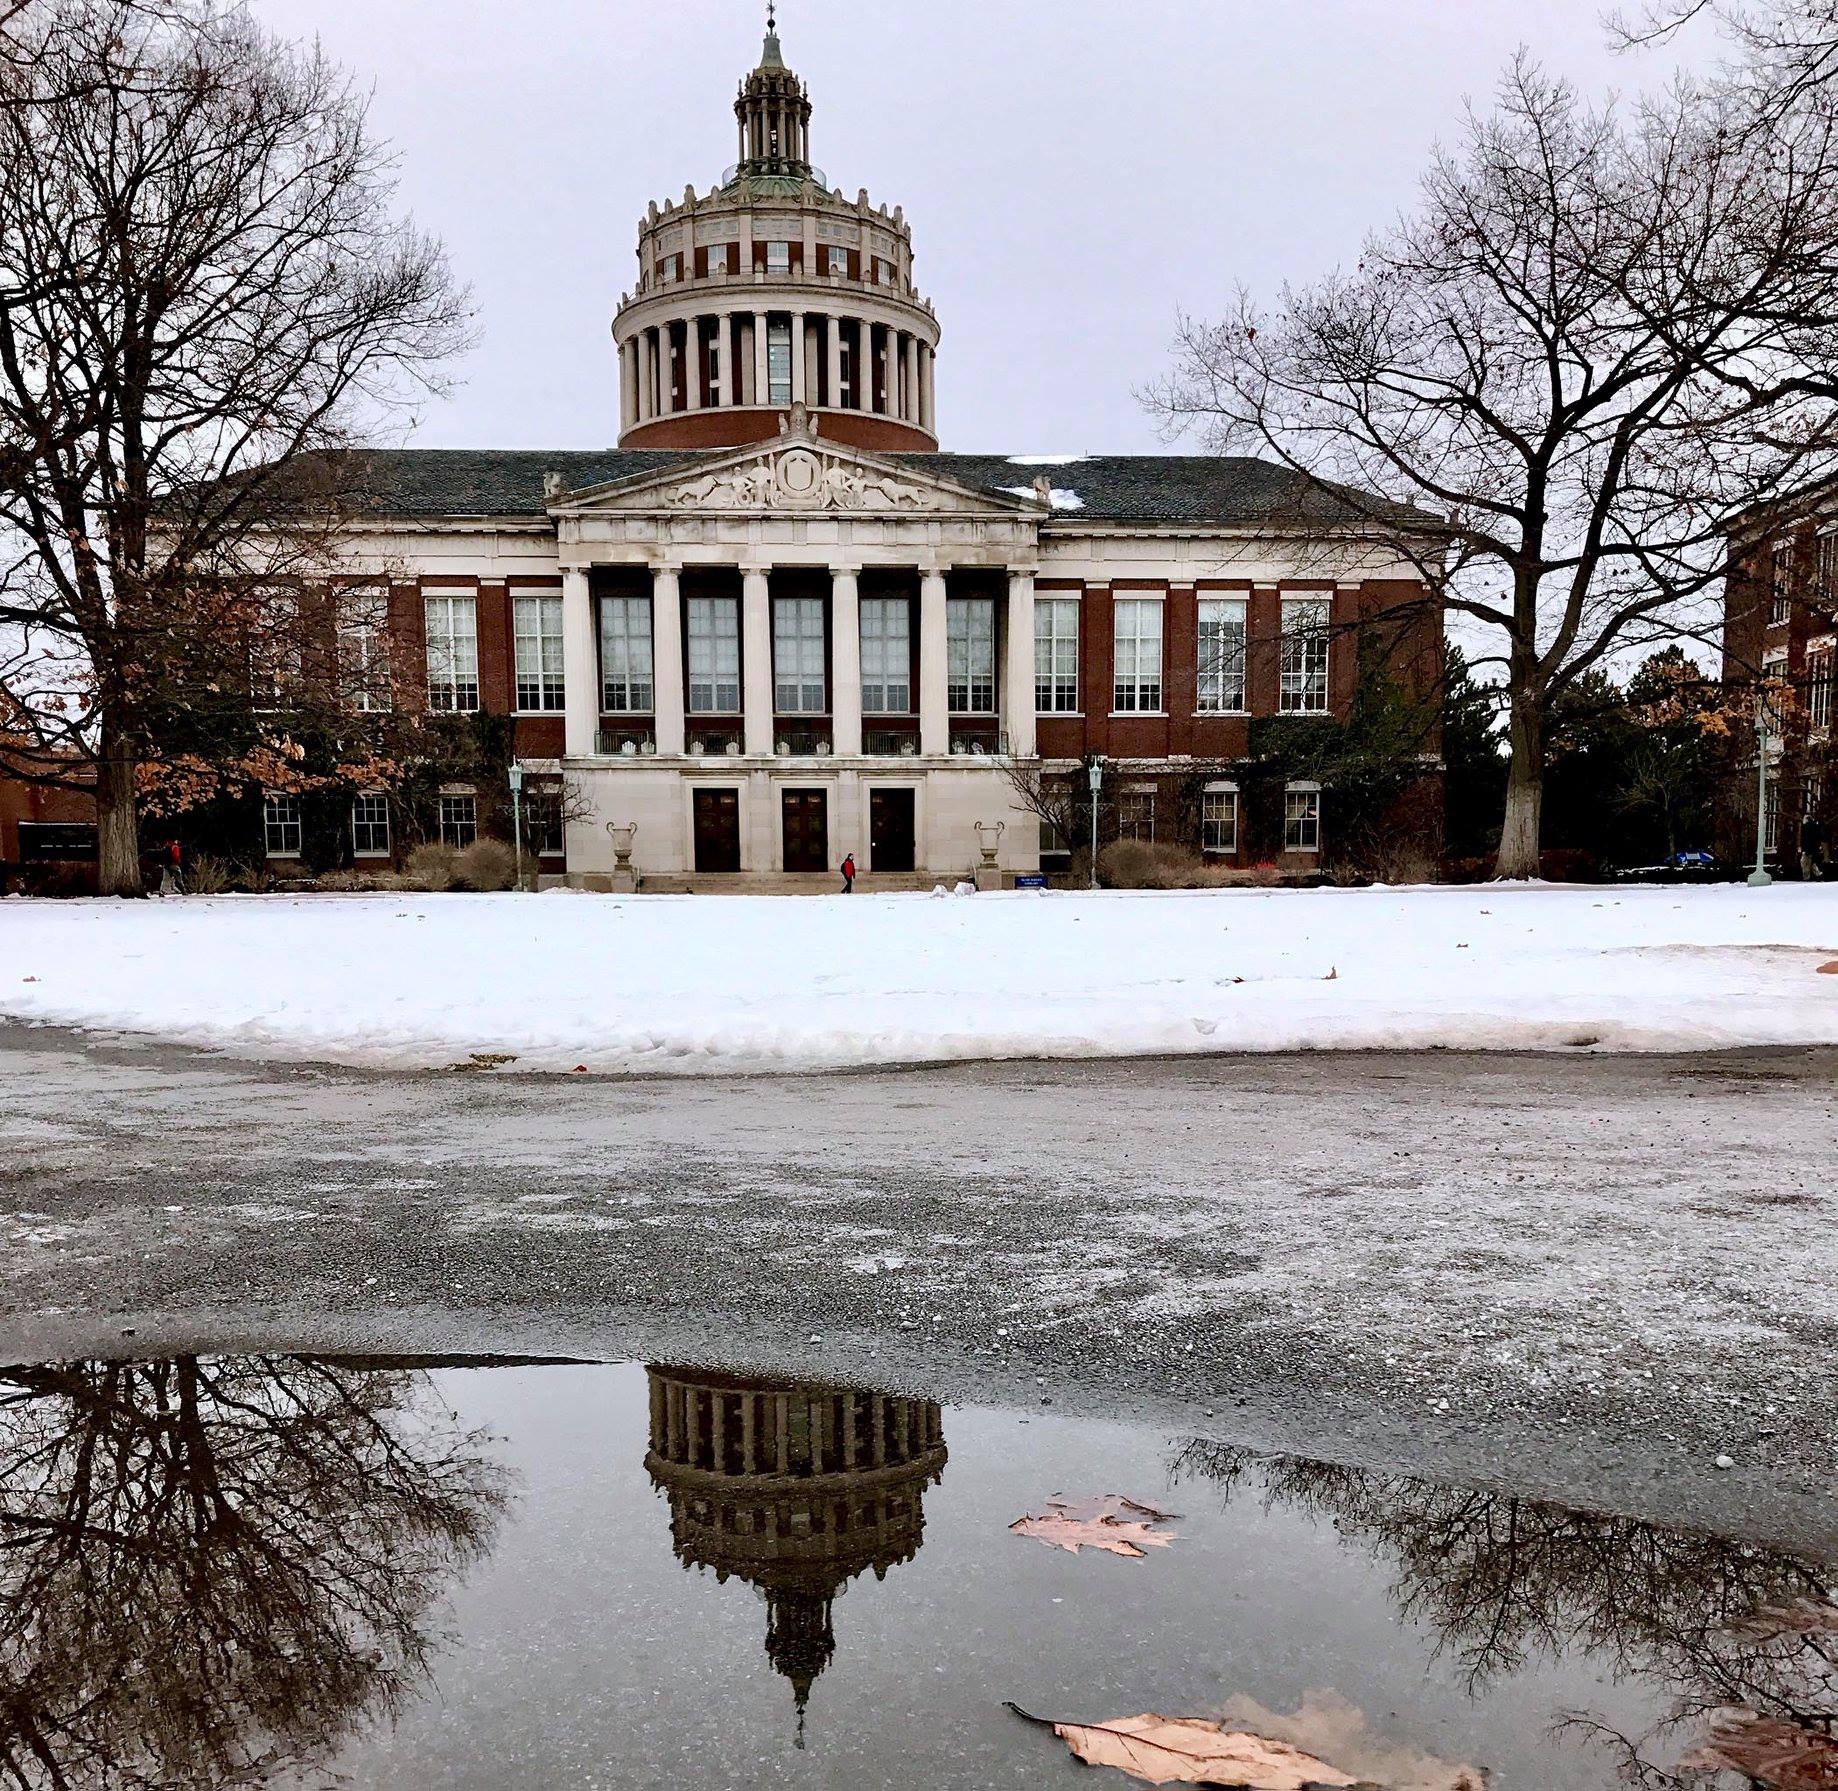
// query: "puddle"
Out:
[298,1572]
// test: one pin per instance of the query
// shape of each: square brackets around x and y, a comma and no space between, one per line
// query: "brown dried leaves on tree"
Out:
[1113,1524]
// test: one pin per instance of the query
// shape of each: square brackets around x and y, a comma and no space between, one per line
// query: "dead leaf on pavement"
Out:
[1114,1524]
[1336,1728]
[1779,1755]
[1167,1750]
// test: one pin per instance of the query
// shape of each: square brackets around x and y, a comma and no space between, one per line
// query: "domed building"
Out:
[776,624]
[796,1488]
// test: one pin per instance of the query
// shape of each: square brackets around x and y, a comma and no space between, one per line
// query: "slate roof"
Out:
[1141,488]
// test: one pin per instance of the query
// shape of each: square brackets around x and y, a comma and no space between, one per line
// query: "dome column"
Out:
[692,362]
[724,359]
[911,413]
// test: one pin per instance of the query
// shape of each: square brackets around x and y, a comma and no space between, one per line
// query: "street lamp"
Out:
[1759,878]
[1097,778]
[517,817]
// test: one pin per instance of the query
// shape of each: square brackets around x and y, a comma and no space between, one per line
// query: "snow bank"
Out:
[1062,497]
[711,983]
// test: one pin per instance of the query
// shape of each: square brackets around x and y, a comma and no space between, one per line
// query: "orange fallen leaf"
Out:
[1770,1751]
[1114,1524]
[1168,1750]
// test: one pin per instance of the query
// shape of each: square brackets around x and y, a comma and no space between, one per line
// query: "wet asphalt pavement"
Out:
[1585,1278]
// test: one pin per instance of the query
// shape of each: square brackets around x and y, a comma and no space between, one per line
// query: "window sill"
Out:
[372,856]
[1307,714]
[1221,714]
[536,714]
[1059,714]
[1138,715]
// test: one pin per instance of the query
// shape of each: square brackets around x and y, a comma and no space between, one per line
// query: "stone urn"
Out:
[988,840]
[625,879]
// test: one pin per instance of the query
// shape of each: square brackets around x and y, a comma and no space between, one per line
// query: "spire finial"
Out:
[770,57]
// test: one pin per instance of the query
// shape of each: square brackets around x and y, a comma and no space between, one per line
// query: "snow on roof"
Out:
[1046,459]
[1063,499]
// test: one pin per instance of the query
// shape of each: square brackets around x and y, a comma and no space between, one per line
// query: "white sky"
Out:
[1075,172]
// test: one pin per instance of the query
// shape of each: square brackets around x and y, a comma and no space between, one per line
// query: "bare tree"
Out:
[203,294]
[1594,343]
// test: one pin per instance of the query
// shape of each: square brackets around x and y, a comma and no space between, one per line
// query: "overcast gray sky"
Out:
[1075,171]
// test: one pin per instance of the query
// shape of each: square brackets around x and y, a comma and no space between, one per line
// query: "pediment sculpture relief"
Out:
[803,478]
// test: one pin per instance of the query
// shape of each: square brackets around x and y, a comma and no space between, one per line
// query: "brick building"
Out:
[1781,627]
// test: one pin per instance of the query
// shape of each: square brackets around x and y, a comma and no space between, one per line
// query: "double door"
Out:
[805,816]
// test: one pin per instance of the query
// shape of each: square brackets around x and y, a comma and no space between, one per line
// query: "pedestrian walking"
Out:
[172,869]
[1812,849]
[848,875]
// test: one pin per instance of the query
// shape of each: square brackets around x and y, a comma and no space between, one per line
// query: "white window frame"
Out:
[363,650]
[778,255]
[536,652]
[456,814]
[836,260]
[364,824]
[282,831]
[1302,817]
[1056,655]
[1135,809]
[1783,556]
[1771,816]
[1136,649]
[1825,569]
[778,360]
[274,651]
[887,656]
[1821,683]
[452,622]
[720,256]
[713,655]
[970,655]
[1220,689]
[670,268]
[800,680]
[1219,832]
[627,685]
[543,800]
[1308,619]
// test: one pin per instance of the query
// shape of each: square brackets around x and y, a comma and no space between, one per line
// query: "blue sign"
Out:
[1031,880]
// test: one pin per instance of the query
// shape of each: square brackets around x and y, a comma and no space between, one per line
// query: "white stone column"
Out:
[864,366]
[724,359]
[845,661]
[934,710]
[928,390]
[912,379]
[762,387]
[832,327]
[580,668]
[797,357]
[756,660]
[692,363]
[628,384]
[667,659]
[1018,698]
[646,376]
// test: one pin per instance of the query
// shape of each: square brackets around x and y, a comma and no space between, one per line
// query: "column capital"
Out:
[844,569]
[755,568]
[1015,572]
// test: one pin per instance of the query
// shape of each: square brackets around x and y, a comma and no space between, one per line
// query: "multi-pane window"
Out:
[714,656]
[797,656]
[274,649]
[625,655]
[1305,649]
[542,820]
[363,651]
[1219,818]
[720,258]
[453,653]
[1780,587]
[778,361]
[1221,657]
[1302,818]
[1828,570]
[670,269]
[370,826]
[1137,635]
[1821,671]
[537,628]
[887,656]
[970,656]
[281,826]
[459,819]
[1056,655]
[778,257]
[1771,816]
[838,260]
[1136,813]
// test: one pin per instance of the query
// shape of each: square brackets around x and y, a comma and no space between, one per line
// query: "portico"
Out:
[796,651]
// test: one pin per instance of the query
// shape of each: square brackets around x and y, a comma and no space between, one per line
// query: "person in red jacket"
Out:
[848,875]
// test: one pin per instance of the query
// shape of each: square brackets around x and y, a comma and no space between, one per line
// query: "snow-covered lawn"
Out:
[705,983]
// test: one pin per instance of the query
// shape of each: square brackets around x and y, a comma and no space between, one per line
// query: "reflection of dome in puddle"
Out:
[794,1486]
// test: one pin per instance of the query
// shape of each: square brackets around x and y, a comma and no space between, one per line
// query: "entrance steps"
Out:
[788,883]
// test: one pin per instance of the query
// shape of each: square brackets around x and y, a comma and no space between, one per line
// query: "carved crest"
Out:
[803,477]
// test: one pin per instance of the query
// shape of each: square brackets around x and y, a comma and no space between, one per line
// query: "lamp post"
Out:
[1759,878]
[1097,779]
[517,817]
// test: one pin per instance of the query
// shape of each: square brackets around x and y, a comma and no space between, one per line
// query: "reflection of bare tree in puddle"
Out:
[1503,1580]
[214,1570]
[795,1487]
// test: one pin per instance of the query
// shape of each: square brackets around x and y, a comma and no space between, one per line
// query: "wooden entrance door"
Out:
[717,814]
[807,831]
[890,830]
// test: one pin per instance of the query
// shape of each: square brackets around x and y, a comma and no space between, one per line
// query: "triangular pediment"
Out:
[798,472]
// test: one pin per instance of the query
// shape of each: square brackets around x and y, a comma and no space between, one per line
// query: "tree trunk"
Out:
[1519,831]
[117,823]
